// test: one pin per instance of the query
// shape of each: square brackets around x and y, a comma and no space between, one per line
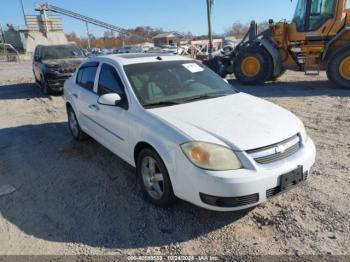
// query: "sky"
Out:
[171,15]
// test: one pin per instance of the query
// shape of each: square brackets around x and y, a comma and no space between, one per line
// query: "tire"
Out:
[223,73]
[36,79]
[338,67]
[215,65]
[274,78]
[160,191]
[74,126]
[262,69]
[45,88]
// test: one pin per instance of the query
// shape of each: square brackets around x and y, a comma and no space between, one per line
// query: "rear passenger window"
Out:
[79,75]
[86,75]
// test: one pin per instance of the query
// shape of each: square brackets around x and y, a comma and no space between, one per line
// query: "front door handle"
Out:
[94,107]
[75,95]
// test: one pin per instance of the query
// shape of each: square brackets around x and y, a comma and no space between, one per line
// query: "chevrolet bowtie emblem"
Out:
[280,149]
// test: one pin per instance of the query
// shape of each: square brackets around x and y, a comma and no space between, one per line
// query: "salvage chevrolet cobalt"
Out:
[188,132]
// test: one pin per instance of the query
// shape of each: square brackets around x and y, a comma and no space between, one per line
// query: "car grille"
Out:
[275,152]
[67,70]
[230,201]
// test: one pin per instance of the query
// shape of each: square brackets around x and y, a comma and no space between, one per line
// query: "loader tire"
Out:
[253,66]
[338,67]
[274,78]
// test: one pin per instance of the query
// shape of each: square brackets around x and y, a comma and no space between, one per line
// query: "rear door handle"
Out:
[75,95]
[94,107]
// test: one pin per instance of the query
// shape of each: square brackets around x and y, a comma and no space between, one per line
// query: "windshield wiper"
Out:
[162,103]
[202,97]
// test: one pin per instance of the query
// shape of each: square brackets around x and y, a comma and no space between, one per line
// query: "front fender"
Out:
[341,35]
[165,141]
[277,63]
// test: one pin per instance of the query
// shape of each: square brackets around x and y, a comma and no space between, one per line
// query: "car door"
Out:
[113,120]
[86,98]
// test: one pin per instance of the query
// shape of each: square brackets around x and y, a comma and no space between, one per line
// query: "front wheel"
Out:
[44,86]
[253,65]
[274,78]
[154,178]
[338,67]
[35,78]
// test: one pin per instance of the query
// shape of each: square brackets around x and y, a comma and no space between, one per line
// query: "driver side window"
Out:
[110,82]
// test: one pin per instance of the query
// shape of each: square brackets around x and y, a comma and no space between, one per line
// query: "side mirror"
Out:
[111,99]
[36,58]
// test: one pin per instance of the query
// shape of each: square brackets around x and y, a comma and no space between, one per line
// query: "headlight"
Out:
[302,130]
[211,156]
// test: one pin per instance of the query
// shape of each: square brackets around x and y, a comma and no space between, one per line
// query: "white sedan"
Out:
[188,132]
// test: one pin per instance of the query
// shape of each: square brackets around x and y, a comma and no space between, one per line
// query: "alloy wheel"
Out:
[152,177]
[73,124]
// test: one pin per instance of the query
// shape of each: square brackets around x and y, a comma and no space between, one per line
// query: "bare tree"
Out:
[111,40]
[263,26]
[237,29]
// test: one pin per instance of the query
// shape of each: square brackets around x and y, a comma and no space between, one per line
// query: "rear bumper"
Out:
[237,189]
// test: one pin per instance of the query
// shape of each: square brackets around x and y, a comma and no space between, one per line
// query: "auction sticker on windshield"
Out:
[193,67]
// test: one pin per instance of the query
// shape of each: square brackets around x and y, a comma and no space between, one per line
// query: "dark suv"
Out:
[53,64]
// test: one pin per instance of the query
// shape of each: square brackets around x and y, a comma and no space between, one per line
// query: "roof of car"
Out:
[55,46]
[138,58]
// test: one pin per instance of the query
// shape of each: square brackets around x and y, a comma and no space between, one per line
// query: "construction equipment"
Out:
[318,38]
[45,7]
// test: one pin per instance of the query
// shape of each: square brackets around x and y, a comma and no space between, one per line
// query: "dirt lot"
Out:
[78,198]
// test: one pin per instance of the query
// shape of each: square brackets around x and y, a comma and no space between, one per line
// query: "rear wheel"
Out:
[154,178]
[253,65]
[338,67]
[74,126]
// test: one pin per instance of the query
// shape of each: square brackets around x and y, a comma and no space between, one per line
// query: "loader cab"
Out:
[311,15]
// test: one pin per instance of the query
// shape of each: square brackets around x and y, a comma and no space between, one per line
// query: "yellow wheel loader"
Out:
[318,38]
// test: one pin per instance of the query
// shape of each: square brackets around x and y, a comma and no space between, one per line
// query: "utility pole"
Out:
[24,13]
[123,40]
[88,34]
[210,36]
[2,36]
[3,41]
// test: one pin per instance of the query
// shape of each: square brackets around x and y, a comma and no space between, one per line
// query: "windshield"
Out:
[61,52]
[164,83]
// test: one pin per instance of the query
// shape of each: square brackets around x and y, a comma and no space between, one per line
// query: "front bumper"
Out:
[250,186]
[56,81]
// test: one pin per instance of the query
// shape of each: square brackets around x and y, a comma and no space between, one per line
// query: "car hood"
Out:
[69,62]
[240,120]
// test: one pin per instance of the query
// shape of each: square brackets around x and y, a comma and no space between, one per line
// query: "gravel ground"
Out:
[78,198]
